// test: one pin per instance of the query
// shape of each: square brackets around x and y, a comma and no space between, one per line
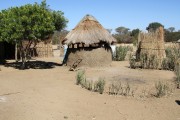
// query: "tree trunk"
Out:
[24,51]
[16,52]
[23,65]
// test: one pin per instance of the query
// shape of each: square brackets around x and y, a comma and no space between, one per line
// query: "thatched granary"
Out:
[151,48]
[42,49]
[89,44]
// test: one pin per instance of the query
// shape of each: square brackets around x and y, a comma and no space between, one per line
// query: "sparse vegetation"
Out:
[162,89]
[177,72]
[144,93]
[172,55]
[117,88]
[132,62]
[121,53]
[80,77]
[149,62]
[97,86]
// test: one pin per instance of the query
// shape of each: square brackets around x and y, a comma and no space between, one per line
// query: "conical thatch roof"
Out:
[89,31]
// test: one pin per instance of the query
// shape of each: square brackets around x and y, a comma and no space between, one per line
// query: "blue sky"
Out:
[114,13]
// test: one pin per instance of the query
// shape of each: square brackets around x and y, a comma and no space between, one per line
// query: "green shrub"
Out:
[149,61]
[121,53]
[80,77]
[88,84]
[99,85]
[172,55]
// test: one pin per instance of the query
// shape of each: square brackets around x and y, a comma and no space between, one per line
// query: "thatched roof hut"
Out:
[89,43]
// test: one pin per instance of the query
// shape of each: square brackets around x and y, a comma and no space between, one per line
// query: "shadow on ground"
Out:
[33,65]
[2,62]
[178,102]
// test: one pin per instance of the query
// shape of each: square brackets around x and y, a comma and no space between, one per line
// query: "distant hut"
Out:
[151,49]
[89,44]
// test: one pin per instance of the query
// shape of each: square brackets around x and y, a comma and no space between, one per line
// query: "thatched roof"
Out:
[89,31]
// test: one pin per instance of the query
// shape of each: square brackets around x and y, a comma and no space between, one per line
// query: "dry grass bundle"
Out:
[151,49]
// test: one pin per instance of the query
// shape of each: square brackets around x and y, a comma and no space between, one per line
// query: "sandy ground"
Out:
[51,94]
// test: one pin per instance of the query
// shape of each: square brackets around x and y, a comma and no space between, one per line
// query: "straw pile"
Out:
[152,49]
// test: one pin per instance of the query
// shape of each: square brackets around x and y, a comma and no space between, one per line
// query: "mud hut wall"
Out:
[89,56]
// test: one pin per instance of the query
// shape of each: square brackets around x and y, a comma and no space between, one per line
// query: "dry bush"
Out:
[177,73]
[172,56]
[80,77]
[99,85]
[149,61]
[161,89]
[117,88]
[132,63]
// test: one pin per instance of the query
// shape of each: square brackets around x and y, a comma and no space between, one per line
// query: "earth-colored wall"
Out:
[91,57]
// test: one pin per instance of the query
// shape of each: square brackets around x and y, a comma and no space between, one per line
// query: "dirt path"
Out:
[51,94]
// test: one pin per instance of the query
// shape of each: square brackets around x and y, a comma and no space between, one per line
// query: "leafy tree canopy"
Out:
[122,30]
[135,32]
[171,29]
[31,22]
[153,26]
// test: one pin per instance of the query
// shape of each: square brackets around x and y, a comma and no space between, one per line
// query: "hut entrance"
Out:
[7,50]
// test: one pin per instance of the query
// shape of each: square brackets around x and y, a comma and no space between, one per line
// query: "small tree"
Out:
[171,29]
[122,30]
[153,26]
[134,35]
[30,23]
